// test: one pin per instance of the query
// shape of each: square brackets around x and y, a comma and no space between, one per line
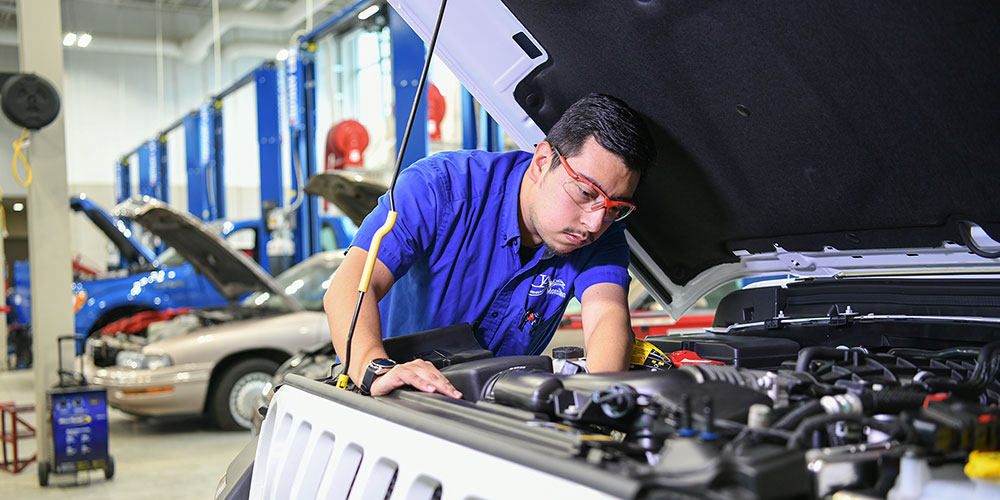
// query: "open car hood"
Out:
[130,249]
[233,273]
[353,193]
[810,138]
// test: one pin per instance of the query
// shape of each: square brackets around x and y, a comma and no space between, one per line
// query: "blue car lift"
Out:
[407,61]
[204,157]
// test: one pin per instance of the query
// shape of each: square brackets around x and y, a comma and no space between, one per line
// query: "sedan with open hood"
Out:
[851,145]
[215,361]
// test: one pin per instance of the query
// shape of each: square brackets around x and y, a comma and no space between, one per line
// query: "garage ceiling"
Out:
[128,25]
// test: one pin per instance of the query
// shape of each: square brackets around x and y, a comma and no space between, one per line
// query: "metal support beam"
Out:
[492,133]
[408,55]
[153,169]
[269,144]
[197,185]
[301,85]
[39,28]
[206,176]
[470,132]
[123,183]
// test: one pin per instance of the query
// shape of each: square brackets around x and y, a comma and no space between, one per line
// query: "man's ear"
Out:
[541,160]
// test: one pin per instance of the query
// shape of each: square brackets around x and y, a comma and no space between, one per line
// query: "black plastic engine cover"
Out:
[473,378]
[729,401]
[443,346]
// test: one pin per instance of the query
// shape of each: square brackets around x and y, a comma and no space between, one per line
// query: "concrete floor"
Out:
[176,458]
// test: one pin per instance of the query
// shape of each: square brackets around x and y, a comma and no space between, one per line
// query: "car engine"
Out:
[759,417]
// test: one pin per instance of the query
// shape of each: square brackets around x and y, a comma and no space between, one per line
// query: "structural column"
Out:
[39,29]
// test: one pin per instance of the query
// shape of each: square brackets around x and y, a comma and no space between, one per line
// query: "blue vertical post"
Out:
[147,170]
[153,168]
[408,55]
[295,86]
[197,187]
[470,135]
[162,188]
[123,189]
[492,134]
[218,162]
[210,199]
[123,184]
[309,166]
[269,143]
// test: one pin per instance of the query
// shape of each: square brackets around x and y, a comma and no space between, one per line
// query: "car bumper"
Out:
[167,391]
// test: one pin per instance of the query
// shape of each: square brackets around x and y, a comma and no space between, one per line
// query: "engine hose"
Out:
[806,355]
[792,418]
[811,424]
[985,371]
[960,352]
[893,401]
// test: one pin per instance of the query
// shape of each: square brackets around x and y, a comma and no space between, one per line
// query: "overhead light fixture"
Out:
[369,12]
[84,40]
[69,39]
[282,55]
[18,206]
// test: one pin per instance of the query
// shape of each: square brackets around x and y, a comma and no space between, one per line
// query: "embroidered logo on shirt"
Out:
[548,286]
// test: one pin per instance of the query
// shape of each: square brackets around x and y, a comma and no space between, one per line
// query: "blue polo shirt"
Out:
[454,255]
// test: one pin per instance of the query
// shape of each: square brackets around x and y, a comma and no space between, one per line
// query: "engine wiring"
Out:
[390,219]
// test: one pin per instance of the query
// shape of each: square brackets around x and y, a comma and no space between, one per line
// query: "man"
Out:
[501,241]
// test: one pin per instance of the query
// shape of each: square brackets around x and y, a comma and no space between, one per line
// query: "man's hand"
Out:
[417,373]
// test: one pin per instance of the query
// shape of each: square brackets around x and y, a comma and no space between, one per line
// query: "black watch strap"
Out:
[375,368]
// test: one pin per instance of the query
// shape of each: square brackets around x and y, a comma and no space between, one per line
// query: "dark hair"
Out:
[616,127]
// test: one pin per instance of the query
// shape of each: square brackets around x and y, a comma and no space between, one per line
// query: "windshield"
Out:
[305,282]
[170,258]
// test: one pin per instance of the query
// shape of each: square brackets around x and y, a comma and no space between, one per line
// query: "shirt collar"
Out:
[510,205]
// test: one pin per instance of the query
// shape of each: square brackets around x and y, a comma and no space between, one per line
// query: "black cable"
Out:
[959,352]
[416,103]
[792,418]
[812,424]
[350,334]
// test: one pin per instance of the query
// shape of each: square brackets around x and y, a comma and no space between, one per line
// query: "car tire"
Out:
[236,395]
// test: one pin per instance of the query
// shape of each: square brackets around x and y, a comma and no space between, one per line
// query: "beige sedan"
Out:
[220,368]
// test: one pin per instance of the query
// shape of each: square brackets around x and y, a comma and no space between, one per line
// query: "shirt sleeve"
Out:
[416,196]
[608,264]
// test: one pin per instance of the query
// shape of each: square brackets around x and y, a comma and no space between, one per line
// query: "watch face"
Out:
[380,365]
[383,363]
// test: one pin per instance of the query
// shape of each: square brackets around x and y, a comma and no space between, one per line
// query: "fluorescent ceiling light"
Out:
[282,55]
[84,40]
[18,206]
[69,39]
[369,12]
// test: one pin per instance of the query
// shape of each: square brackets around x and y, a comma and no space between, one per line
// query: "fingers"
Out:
[419,374]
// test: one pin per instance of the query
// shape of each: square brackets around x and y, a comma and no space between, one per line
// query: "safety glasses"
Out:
[591,198]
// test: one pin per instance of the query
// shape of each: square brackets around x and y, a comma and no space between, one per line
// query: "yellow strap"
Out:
[366,275]
[18,154]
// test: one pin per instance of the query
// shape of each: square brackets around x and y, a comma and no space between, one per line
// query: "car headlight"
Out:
[140,361]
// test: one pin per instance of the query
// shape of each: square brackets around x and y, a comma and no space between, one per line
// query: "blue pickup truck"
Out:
[143,280]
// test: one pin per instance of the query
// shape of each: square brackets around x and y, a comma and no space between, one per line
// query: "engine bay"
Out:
[757,417]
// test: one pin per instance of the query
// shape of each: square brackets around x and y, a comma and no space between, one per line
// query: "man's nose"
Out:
[592,220]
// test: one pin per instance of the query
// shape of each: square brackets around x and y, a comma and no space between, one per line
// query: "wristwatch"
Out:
[376,367]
